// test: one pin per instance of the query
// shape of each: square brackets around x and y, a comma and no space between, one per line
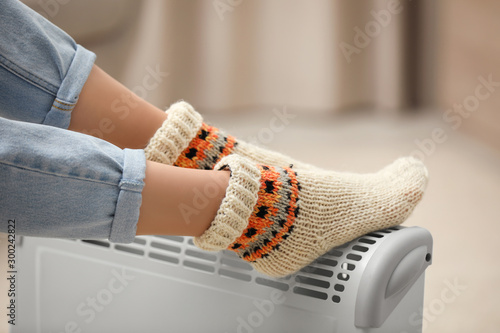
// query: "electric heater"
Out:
[373,284]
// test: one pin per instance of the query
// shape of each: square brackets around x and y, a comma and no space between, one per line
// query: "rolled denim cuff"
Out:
[124,226]
[70,88]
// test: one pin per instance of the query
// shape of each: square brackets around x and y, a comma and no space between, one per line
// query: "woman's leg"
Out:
[108,110]
[180,201]
[59,183]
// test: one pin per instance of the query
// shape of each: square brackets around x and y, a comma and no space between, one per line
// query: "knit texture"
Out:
[175,134]
[236,207]
[185,141]
[280,220]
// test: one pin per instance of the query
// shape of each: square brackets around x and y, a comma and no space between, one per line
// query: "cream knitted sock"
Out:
[280,219]
[184,140]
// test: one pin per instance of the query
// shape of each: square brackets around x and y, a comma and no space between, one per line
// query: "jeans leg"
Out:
[58,183]
[42,69]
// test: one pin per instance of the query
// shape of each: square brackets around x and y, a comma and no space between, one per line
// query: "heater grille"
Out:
[326,278]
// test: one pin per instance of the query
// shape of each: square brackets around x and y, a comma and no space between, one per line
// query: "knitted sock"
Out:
[280,220]
[184,140]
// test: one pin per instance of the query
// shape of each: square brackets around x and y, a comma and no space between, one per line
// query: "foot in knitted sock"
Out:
[184,140]
[280,220]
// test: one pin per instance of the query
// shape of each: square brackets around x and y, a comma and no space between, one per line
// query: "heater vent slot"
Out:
[343,277]
[317,271]
[359,248]
[163,258]
[367,241]
[198,266]
[339,287]
[313,282]
[272,283]
[235,275]
[310,293]
[166,247]
[347,266]
[326,261]
[129,249]
[335,252]
[354,257]
[202,255]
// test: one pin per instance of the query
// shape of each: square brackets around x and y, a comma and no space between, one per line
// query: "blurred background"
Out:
[353,85]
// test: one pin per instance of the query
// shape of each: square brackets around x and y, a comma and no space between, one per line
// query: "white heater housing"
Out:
[373,284]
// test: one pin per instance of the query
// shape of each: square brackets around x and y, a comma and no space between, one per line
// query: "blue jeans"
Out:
[55,182]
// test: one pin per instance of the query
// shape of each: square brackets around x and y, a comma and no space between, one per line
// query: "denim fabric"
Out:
[42,69]
[58,183]
[54,182]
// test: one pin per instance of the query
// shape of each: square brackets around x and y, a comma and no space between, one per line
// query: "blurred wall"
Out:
[328,55]
[226,55]
[469,54]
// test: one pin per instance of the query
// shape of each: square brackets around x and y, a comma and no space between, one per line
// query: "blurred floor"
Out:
[460,206]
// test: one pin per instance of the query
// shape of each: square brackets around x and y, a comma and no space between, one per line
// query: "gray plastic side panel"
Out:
[390,273]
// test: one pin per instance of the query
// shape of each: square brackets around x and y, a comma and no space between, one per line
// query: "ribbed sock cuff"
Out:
[236,207]
[175,134]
